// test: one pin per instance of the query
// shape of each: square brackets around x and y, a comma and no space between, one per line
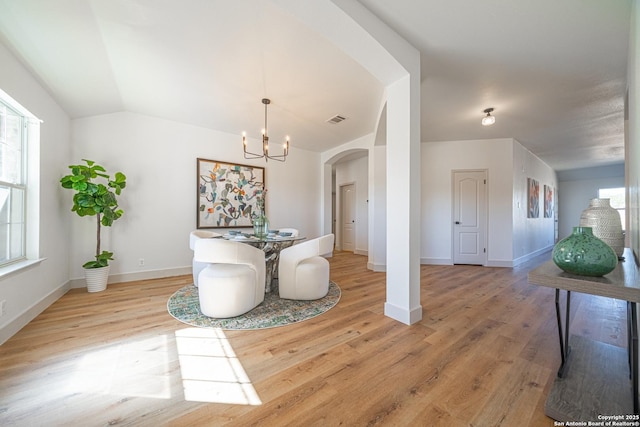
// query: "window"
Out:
[617,200]
[19,186]
[13,129]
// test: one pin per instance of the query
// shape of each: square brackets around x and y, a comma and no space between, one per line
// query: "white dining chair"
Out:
[303,272]
[294,233]
[233,281]
[193,237]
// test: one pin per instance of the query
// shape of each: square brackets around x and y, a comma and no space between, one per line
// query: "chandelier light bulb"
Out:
[488,120]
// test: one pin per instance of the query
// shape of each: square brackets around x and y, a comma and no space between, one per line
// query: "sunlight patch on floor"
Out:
[211,372]
[136,368]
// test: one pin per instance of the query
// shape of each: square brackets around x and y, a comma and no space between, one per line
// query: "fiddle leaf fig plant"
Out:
[95,195]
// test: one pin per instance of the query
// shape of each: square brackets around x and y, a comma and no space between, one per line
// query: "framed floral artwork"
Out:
[548,201]
[533,196]
[229,194]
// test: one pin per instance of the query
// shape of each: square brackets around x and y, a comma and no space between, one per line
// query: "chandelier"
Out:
[488,120]
[265,142]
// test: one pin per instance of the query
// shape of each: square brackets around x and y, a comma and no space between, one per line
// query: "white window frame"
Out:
[604,193]
[30,182]
[15,232]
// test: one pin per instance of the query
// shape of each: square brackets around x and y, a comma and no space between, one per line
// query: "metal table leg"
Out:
[632,327]
[564,338]
[272,256]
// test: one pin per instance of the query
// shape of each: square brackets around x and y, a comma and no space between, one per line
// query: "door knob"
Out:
[458,222]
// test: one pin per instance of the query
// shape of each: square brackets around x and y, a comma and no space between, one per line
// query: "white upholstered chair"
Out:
[303,272]
[233,280]
[193,236]
[294,233]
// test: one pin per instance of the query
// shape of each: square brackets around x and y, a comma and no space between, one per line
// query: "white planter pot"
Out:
[96,278]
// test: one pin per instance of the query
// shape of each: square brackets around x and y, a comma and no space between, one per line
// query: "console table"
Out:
[593,381]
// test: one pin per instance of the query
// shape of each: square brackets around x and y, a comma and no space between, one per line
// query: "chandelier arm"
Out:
[253,155]
[266,133]
[248,153]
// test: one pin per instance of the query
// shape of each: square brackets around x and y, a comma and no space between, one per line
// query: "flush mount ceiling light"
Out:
[488,120]
[265,142]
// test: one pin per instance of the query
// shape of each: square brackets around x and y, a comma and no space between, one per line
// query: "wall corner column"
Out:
[403,200]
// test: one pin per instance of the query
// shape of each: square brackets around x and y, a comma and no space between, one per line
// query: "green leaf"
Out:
[79,186]
[101,260]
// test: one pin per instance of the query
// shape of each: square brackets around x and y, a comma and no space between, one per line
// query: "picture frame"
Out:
[229,194]
[533,198]
[548,201]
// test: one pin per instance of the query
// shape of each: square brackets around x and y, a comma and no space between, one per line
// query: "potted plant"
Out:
[95,195]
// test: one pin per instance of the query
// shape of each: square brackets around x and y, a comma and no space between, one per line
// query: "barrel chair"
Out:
[233,281]
[303,272]
[294,232]
[193,237]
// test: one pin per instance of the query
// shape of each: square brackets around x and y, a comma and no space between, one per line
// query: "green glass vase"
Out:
[584,254]
[260,226]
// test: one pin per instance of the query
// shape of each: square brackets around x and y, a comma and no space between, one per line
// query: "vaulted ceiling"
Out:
[555,71]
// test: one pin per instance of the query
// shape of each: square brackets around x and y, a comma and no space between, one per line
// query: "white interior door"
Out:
[469,217]
[348,216]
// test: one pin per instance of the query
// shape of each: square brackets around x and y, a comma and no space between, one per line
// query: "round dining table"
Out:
[272,244]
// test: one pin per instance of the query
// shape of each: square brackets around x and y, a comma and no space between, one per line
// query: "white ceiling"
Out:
[553,70]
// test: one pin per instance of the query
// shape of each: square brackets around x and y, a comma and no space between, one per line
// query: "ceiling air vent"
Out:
[336,119]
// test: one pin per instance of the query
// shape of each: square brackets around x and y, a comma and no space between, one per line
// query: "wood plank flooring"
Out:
[485,354]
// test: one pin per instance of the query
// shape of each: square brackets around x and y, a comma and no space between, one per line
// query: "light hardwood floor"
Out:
[484,354]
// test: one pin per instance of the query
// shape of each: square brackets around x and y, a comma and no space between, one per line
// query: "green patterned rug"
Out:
[272,312]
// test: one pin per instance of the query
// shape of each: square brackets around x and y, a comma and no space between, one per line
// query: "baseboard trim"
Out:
[376,267]
[436,261]
[499,263]
[23,319]
[139,275]
[361,252]
[408,317]
[531,255]
[490,262]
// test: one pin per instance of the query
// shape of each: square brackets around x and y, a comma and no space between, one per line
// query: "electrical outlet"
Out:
[141,261]
[3,306]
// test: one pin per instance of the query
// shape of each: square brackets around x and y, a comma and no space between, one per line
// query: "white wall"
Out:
[531,236]
[508,164]
[439,159]
[632,155]
[575,191]
[632,144]
[377,208]
[159,158]
[29,291]
[354,172]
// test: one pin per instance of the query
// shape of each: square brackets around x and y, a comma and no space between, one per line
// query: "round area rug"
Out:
[272,312]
